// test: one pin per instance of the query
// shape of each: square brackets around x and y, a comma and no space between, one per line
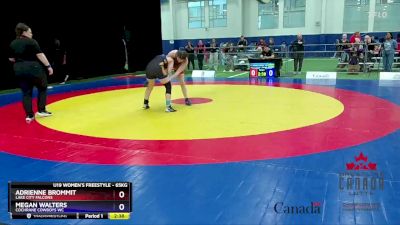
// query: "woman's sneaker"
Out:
[170,109]
[44,114]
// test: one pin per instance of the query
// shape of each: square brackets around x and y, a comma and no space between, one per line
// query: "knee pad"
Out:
[168,87]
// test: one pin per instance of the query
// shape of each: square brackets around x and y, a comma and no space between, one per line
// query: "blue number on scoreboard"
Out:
[270,72]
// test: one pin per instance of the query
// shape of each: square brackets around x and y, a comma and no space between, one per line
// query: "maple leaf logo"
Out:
[361,163]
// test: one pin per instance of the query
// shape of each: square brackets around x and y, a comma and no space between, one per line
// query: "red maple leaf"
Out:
[316,204]
[350,166]
[372,166]
[361,157]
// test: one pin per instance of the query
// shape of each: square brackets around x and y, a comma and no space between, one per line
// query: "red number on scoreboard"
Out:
[253,72]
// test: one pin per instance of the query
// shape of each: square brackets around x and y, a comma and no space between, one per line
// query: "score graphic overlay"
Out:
[262,69]
[69,200]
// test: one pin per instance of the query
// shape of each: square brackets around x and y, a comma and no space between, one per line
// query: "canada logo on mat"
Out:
[361,163]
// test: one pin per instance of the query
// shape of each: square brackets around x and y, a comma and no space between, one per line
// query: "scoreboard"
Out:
[69,200]
[262,69]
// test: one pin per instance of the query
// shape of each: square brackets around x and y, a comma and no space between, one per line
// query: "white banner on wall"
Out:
[203,73]
[389,76]
[321,75]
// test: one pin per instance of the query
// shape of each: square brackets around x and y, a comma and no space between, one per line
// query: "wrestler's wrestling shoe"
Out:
[188,102]
[170,109]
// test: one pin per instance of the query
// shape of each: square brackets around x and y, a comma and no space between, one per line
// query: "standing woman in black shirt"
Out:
[190,50]
[29,66]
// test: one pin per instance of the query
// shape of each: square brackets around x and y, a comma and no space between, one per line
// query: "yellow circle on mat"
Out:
[235,110]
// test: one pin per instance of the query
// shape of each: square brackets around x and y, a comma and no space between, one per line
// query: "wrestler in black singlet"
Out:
[153,68]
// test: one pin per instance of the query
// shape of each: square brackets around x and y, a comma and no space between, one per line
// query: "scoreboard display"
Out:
[262,69]
[69,200]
